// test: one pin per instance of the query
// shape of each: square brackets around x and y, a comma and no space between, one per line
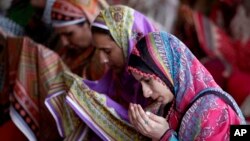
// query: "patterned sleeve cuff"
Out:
[169,135]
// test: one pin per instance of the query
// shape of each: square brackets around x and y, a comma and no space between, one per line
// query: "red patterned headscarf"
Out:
[69,12]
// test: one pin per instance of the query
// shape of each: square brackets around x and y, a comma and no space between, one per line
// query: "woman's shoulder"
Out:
[207,117]
[211,101]
[212,104]
[211,109]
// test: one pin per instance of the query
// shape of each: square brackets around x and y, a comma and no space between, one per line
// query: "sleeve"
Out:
[209,118]
[169,135]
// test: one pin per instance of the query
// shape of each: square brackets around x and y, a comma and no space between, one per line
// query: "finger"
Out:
[135,119]
[142,113]
[132,112]
[155,118]
[148,123]
[143,122]
[130,116]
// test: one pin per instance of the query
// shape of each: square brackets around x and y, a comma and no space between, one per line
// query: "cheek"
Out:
[163,92]
[117,58]
[169,96]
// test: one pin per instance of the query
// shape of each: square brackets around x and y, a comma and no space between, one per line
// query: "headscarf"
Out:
[46,18]
[30,71]
[68,12]
[96,97]
[162,56]
[126,26]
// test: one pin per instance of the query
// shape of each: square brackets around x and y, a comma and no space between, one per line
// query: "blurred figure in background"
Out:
[28,70]
[161,12]
[29,15]
[220,40]
[71,21]
[7,25]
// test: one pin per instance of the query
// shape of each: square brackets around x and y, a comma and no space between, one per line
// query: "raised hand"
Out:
[147,123]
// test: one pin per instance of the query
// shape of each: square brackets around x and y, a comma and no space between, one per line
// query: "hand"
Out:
[148,124]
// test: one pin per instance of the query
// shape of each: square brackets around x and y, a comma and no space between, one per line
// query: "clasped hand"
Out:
[147,123]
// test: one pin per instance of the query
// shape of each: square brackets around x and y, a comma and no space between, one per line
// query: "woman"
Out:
[71,21]
[115,32]
[195,107]
[27,71]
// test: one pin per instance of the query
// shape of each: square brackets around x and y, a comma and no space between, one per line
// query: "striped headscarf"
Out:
[162,56]
[132,24]
[125,25]
[69,12]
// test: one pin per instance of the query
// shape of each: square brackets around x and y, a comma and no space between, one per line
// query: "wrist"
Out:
[166,134]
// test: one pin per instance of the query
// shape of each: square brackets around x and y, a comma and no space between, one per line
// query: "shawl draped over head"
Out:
[29,70]
[162,56]
[126,26]
[91,103]
[69,12]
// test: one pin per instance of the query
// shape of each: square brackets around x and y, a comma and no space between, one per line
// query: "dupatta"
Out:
[163,57]
[82,102]
[29,71]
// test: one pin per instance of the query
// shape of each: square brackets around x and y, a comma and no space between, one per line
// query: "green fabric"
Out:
[21,13]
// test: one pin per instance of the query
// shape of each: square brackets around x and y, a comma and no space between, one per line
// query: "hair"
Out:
[95,29]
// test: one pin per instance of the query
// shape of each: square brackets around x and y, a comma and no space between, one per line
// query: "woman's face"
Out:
[109,51]
[154,89]
[75,36]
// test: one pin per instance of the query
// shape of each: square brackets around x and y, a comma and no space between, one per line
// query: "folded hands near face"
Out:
[147,123]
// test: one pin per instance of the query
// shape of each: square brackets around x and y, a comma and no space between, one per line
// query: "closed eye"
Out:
[67,34]
[107,51]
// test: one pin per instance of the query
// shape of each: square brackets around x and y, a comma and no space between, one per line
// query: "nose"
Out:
[103,57]
[147,92]
[64,41]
